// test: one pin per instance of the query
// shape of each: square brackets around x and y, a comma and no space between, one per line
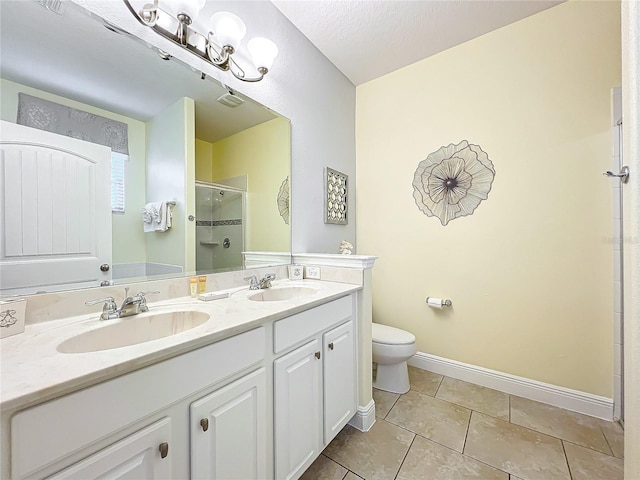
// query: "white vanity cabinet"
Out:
[298,410]
[314,384]
[339,379]
[257,405]
[143,455]
[229,431]
[137,425]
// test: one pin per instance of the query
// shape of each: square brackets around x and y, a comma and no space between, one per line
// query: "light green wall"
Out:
[128,240]
[262,153]
[530,272]
[171,177]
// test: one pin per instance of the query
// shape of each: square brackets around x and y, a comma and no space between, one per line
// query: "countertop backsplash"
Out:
[54,306]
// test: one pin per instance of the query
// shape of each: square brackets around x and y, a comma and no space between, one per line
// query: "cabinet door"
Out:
[228,431]
[298,412]
[143,455]
[339,379]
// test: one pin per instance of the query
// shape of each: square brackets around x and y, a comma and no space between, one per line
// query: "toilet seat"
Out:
[390,335]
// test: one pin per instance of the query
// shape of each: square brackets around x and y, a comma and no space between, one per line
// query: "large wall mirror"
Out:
[216,160]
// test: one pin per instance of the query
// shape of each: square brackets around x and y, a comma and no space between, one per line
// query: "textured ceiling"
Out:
[366,39]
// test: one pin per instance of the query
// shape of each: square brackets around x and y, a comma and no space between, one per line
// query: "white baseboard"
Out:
[574,400]
[365,417]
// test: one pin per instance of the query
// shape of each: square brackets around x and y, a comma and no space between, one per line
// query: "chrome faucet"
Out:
[131,305]
[265,282]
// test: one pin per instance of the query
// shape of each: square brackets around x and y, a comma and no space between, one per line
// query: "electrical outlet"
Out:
[312,272]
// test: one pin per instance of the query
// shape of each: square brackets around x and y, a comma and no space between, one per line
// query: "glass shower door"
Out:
[219,227]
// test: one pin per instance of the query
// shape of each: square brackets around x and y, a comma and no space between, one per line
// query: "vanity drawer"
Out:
[296,328]
[68,424]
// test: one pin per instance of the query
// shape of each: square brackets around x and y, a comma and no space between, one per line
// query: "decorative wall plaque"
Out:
[283,200]
[336,195]
[452,181]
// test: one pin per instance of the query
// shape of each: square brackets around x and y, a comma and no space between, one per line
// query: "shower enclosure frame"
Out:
[243,192]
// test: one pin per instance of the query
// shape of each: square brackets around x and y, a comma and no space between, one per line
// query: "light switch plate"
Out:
[312,272]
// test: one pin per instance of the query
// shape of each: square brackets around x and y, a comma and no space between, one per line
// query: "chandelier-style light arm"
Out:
[220,57]
[148,15]
[240,74]
[227,27]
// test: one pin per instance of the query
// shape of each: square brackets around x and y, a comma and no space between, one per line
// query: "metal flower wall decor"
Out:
[283,200]
[452,181]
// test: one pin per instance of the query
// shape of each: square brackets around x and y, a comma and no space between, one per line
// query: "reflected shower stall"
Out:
[220,223]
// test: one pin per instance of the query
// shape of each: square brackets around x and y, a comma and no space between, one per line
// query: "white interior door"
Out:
[55,211]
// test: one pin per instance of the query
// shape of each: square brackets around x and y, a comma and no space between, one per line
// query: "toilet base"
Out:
[392,378]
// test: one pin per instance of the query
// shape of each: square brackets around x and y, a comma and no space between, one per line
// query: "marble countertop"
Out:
[34,371]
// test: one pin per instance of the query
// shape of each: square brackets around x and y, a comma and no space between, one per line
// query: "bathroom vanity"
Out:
[256,391]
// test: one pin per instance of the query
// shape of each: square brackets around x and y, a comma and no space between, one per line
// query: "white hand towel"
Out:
[161,224]
[164,222]
[169,215]
[151,216]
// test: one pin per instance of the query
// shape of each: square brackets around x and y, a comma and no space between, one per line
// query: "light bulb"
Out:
[228,28]
[190,7]
[263,51]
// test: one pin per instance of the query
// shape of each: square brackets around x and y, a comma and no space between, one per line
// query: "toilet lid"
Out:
[390,335]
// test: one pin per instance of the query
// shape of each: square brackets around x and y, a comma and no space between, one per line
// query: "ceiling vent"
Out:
[230,100]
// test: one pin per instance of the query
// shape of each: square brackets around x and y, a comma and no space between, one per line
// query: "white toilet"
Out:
[391,349]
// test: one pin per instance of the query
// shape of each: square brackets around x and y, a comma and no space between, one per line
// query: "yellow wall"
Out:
[204,161]
[128,239]
[263,154]
[530,272]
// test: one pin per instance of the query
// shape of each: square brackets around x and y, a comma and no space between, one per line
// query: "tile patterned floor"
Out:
[447,429]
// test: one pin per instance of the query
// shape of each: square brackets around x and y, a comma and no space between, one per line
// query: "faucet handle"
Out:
[109,310]
[142,294]
[106,300]
[265,282]
[254,282]
[143,301]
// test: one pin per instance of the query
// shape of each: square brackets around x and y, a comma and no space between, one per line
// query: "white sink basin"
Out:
[134,330]
[275,294]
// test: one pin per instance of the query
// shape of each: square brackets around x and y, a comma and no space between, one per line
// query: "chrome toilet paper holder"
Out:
[438,303]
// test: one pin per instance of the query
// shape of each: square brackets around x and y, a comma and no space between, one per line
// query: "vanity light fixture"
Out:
[173,19]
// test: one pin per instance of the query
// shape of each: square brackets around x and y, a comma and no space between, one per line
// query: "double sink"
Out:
[167,321]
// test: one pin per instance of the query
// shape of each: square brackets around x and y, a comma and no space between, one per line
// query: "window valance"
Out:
[71,122]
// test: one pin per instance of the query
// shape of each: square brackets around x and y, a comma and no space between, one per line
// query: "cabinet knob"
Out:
[164,449]
[204,423]
[318,355]
[331,346]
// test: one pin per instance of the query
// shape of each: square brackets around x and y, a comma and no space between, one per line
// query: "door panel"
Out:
[339,379]
[228,431]
[55,210]
[136,457]
[298,410]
